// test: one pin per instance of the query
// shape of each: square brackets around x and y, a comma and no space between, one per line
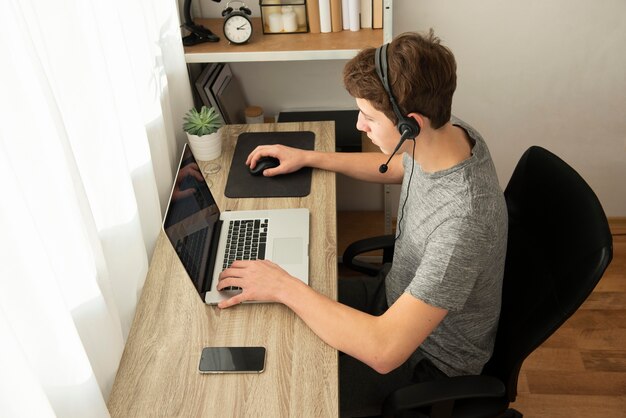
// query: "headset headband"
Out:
[407,126]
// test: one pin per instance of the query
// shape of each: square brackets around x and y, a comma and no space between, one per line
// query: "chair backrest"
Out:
[559,246]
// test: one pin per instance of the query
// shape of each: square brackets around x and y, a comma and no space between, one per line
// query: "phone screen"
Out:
[232,360]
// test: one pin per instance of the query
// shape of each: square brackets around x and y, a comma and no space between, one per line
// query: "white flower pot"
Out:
[206,147]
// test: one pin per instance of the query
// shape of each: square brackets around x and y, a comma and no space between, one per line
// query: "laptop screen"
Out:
[191,220]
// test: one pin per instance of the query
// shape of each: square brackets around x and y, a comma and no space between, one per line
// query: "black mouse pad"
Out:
[241,183]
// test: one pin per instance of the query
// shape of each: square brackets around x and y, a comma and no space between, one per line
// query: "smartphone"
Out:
[232,360]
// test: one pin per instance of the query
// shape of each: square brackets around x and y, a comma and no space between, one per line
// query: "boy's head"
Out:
[422,78]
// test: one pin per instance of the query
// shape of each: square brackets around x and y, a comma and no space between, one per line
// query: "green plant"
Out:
[204,122]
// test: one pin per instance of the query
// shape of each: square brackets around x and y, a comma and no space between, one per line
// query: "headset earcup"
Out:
[227,11]
[406,124]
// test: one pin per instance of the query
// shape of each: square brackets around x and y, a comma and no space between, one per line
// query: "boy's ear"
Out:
[420,119]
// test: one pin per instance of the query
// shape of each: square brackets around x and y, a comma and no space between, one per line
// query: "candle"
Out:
[254,114]
[301,15]
[290,22]
[276,22]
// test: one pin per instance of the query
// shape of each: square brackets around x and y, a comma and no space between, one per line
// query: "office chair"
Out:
[559,245]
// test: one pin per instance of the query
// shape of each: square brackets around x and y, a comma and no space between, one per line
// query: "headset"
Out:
[407,126]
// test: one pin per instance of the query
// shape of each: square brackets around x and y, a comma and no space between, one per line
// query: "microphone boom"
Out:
[405,135]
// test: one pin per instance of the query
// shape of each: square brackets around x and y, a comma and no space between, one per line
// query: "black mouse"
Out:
[263,164]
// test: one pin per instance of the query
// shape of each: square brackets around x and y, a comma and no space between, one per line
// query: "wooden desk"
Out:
[158,374]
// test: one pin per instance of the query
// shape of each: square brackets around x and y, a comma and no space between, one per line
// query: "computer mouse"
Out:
[263,164]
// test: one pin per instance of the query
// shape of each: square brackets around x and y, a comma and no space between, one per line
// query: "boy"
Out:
[436,311]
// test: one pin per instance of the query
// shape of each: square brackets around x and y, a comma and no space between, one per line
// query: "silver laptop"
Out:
[207,241]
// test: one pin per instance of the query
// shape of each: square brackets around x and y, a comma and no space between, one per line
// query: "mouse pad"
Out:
[241,183]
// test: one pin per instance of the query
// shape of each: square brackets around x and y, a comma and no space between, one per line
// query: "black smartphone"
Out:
[232,360]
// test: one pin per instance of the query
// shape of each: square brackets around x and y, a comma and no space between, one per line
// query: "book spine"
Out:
[345,14]
[325,20]
[377,14]
[366,14]
[313,13]
[335,15]
[354,6]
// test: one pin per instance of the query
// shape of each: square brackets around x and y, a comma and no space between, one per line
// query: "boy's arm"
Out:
[359,165]
[382,342]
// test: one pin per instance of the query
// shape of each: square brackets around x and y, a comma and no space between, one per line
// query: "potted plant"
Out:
[203,132]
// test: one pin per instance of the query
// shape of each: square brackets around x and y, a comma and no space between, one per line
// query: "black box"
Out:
[347,136]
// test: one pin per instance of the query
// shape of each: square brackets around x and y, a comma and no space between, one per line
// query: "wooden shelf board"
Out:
[281,47]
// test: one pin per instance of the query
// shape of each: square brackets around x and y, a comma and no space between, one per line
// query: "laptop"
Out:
[207,241]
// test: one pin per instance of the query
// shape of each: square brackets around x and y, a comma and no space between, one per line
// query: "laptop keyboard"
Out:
[246,240]
[190,250]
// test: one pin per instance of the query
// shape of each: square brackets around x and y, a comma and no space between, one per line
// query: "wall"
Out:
[551,73]
[533,72]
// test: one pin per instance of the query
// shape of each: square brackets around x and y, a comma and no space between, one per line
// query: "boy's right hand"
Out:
[291,159]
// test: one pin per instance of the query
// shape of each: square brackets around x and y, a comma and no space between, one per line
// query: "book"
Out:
[207,96]
[335,15]
[366,14]
[325,20]
[345,14]
[313,14]
[202,80]
[229,96]
[354,9]
[377,14]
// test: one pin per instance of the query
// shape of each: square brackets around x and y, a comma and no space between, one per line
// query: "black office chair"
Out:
[559,245]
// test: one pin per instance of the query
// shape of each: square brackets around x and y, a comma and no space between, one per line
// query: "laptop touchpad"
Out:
[287,251]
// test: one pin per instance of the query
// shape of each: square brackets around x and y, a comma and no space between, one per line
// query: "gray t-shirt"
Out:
[450,254]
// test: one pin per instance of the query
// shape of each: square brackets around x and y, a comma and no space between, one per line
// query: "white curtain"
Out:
[92,94]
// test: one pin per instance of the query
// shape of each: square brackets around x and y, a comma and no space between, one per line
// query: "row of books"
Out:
[337,15]
[217,87]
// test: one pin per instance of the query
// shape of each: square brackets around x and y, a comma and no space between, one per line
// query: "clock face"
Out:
[237,29]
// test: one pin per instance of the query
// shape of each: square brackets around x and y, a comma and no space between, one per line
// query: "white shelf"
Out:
[255,56]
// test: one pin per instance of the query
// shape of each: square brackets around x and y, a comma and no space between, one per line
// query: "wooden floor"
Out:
[581,370]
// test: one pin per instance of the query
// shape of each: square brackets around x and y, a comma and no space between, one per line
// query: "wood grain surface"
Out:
[286,42]
[158,373]
[580,371]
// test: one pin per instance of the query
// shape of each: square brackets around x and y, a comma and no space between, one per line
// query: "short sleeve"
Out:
[455,254]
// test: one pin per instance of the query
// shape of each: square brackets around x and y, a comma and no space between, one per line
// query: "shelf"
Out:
[282,47]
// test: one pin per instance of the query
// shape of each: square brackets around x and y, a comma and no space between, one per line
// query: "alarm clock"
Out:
[237,24]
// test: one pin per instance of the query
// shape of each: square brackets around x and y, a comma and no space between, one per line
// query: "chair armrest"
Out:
[383,242]
[444,392]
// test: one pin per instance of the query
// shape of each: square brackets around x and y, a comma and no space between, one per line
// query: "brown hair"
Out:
[422,77]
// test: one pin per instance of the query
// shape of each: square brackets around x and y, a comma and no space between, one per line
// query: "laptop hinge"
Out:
[215,239]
